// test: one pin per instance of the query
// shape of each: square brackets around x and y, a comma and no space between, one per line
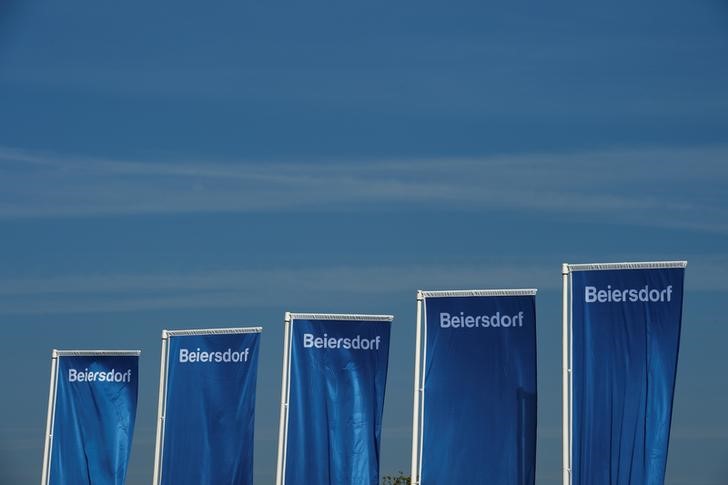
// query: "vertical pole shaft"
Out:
[565,436]
[161,410]
[283,420]
[45,474]
[417,398]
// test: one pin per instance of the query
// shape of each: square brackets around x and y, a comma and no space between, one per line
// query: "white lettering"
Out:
[326,342]
[444,320]
[644,294]
[75,375]
[496,320]
[215,357]
[307,340]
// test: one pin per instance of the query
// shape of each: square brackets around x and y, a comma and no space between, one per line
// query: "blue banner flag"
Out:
[625,327]
[92,408]
[333,392]
[205,432]
[478,401]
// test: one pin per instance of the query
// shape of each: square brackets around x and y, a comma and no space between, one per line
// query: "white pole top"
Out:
[340,316]
[211,331]
[457,293]
[640,265]
[95,353]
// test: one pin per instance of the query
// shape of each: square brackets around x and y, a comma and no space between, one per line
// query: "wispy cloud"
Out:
[302,288]
[245,288]
[681,188]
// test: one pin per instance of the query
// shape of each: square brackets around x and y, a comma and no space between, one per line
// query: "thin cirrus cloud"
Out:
[680,188]
[241,288]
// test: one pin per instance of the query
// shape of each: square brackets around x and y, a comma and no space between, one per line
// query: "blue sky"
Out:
[180,164]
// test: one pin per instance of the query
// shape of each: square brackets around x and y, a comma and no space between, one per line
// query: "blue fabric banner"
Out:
[95,409]
[338,375]
[479,411]
[626,336]
[210,409]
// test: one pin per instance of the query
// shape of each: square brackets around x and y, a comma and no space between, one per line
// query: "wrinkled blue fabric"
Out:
[624,364]
[209,422]
[94,422]
[479,414]
[336,404]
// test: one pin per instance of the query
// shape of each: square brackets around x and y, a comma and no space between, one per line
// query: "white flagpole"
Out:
[50,421]
[161,409]
[565,436]
[415,468]
[283,421]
